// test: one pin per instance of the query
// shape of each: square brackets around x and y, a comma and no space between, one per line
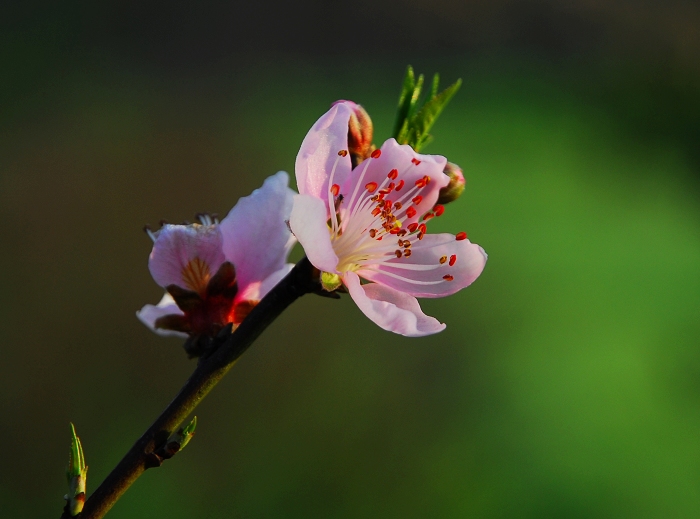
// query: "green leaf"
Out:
[436,86]
[77,475]
[416,95]
[423,142]
[423,121]
[413,121]
[402,136]
[407,90]
[76,457]
[187,433]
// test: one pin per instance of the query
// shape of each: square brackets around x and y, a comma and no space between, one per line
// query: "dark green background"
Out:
[567,383]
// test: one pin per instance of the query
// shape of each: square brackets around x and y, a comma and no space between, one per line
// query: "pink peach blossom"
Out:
[370,223]
[219,271]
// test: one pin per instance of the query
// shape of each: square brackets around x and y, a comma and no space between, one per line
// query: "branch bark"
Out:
[303,279]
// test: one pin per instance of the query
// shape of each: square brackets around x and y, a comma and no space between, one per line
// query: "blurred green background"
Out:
[567,383]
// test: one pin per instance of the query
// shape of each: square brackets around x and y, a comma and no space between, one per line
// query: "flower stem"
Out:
[303,279]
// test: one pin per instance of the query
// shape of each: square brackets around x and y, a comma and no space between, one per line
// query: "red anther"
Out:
[391,186]
[393,174]
[415,161]
[388,204]
[447,277]
[335,189]
[420,235]
[443,260]
[453,259]
[461,236]
[400,242]
[380,197]
[400,185]
[407,253]
[439,209]
[417,199]
[426,179]
[376,211]
[343,153]
[372,233]
[380,238]
[398,205]
[428,216]
[402,232]
[413,226]
[376,154]
[406,244]
[411,212]
[371,187]
[422,228]
[398,253]
[394,230]
[385,191]
[420,182]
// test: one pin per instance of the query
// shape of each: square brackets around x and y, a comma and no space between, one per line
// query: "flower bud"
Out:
[76,473]
[360,133]
[454,189]
[177,441]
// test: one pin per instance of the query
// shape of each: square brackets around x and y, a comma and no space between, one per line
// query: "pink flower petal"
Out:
[256,291]
[150,313]
[186,256]
[390,309]
[423,275]
[319,152]
[308,223]
[411,167]
[256,238]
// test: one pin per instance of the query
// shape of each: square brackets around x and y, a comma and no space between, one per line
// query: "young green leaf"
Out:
[413,121]
[423,121]
[436,86]
[407,90]
[416,95]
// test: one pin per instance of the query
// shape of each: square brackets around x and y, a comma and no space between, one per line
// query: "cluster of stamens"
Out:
[389,205]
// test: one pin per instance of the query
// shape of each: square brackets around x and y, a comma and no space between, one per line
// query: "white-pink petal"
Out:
[150,313]
[308,223]
[410,167]
[318,154]
[422,274]
[185,255]
[256,238]
[256,291]
[390,309]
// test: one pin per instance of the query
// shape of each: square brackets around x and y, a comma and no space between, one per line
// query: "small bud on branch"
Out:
[76,474]
[455,188]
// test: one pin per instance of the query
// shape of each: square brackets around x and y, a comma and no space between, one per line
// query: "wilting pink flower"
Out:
[215,273]
[370,223]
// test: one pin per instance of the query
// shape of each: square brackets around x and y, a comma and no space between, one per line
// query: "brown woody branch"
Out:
[303,279]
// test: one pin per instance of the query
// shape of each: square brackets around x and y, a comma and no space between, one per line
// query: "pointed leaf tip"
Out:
[413,120]
[407,89]
[76,473]
[188,432]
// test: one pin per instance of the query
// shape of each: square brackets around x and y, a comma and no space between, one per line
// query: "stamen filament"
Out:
[407,280]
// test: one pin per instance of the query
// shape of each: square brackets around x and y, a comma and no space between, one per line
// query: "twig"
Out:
[303,279]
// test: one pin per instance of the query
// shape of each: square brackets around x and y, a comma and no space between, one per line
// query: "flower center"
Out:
[196,275]
[371,226]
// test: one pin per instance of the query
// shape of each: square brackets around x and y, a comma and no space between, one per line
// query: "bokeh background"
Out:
[567,383]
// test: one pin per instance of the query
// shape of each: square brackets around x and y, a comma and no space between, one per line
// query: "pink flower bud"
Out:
[360,133]
[455,188]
